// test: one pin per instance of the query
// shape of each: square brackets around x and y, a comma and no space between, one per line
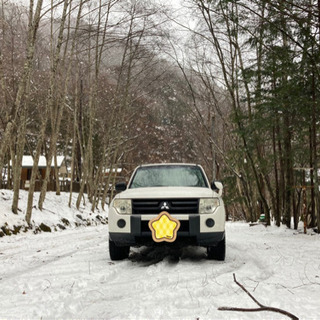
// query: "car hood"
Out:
[167,193]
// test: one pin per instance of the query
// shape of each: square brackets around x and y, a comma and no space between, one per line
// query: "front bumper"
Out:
[190,232]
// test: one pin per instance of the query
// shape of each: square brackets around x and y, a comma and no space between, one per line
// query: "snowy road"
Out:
[69,275]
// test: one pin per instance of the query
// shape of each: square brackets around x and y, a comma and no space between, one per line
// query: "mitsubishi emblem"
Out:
[165,206]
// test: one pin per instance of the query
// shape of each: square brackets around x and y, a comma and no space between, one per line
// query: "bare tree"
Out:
[21,100]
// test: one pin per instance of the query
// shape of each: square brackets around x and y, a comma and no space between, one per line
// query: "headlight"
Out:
[208,206]
[122,206]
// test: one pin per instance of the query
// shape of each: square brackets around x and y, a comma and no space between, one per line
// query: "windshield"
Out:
[169,176]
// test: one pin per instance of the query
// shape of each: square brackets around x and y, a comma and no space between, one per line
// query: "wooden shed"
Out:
[27,165]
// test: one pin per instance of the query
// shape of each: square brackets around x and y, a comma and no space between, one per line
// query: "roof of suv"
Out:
[168,164]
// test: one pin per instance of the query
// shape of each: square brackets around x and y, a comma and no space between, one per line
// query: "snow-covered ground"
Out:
[68,275]
[55,214]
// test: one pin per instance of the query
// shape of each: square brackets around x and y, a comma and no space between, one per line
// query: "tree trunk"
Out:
[35,171]
[276,178]
[311,162]
[288,172]
[315,154]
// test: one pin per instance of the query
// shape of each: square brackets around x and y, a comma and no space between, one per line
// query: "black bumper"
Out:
[188,234]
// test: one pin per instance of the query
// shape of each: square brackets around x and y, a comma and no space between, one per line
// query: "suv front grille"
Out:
[173,206]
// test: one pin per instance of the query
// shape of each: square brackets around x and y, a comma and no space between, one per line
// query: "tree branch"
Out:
[261,306]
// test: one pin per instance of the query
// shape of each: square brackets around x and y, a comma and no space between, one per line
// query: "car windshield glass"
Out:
[168,176]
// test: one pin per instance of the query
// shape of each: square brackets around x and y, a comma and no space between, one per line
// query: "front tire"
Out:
[118,253]
[218,252]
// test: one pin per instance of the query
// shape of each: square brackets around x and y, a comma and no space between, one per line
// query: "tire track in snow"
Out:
[45,253]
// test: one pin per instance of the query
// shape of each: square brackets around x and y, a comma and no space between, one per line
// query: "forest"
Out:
[230,84]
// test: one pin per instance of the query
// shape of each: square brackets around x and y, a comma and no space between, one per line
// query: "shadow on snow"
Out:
[147,256]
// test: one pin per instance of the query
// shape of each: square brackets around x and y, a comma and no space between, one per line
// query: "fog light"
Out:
[121,223]
[210,223]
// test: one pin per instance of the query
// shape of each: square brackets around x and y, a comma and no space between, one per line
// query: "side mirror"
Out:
[121,186]
[217,186]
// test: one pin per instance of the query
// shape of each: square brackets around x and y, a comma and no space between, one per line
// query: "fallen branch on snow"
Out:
[261,306]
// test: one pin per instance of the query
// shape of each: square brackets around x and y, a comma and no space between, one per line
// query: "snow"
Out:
[119,170]
[27,162]
[68,274]
[55,208]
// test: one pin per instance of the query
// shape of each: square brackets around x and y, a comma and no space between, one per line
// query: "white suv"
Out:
[172,203]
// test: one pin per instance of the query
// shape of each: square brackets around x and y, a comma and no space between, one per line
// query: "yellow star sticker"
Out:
[164,227]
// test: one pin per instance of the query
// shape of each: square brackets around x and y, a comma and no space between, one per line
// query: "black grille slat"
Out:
[155,206]
[189,203]
[146,203]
